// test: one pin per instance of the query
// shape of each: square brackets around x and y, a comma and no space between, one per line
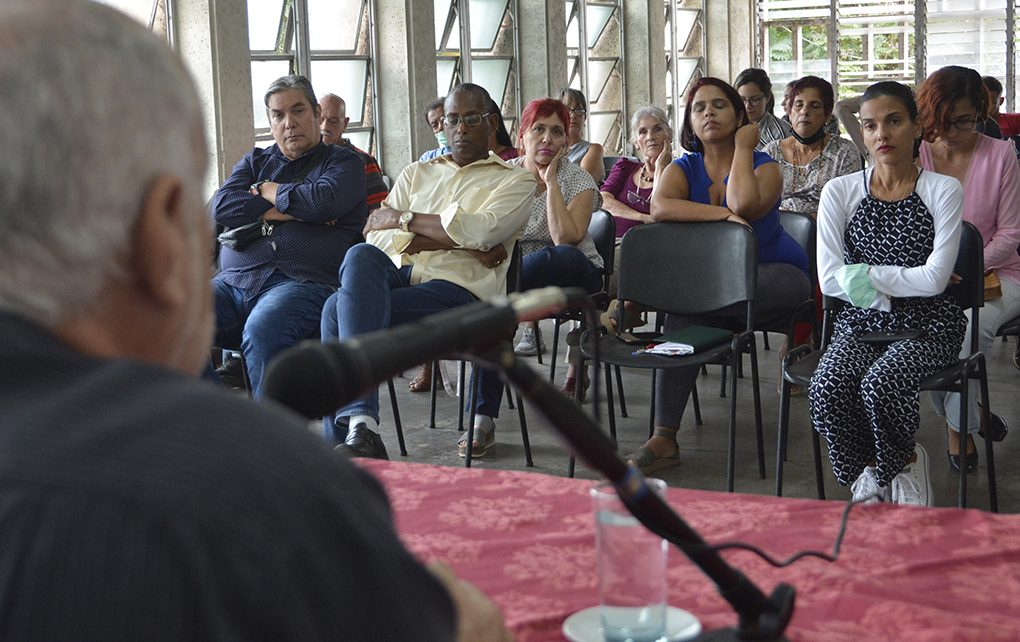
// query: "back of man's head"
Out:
[95,109]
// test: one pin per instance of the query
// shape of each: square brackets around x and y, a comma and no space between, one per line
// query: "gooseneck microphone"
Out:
[315,378]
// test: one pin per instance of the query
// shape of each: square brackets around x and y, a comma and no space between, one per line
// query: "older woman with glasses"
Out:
[579,151]
[755,89]
[627,191]
[951,102]
[810,156]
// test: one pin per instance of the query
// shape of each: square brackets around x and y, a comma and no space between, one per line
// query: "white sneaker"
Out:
[866,489]
[530,343]
[912,487]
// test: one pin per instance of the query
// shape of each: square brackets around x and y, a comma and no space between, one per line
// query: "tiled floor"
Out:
[703,448]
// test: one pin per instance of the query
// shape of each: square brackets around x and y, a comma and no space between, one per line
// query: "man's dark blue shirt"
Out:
[330,202]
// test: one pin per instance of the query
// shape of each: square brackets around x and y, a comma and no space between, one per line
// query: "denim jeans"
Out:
[282,314]
[374,294]
[560,265]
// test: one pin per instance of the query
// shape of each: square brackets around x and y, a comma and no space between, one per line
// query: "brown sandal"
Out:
[423,382]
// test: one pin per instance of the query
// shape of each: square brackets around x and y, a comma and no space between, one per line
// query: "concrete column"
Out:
[543,54]
[730,37]
[645,54]
[406,67]
[212,38]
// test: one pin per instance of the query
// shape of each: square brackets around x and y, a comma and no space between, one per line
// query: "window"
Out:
[685,56]
[481,50]
[329,41]
[157,15]
[872,40]
[596,68]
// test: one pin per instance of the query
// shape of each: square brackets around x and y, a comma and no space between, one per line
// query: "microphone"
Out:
[315,378]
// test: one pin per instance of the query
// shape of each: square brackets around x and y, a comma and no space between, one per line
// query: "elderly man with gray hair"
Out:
[139,503]
[308,199]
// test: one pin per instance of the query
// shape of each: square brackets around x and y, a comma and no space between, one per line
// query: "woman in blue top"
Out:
[723,179]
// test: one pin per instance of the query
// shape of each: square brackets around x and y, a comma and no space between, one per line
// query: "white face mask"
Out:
[441,138]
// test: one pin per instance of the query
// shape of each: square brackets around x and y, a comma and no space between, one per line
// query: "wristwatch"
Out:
[405,221]
[254,189]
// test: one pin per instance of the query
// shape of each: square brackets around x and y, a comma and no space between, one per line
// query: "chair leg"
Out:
[731,451]
[993,495]
[722,381]
[816,449]
[756,395]
[552,355]
[396,417]
[964,378]
[538,342]
[619,392]
[609,404]
[784,426]
[697,404]
[651,404]
[524,432]
[471,421]
[461,375]
[244,376]
[509,392]
[433,394]
[765,340]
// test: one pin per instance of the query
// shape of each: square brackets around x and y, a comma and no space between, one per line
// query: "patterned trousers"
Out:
[864,402]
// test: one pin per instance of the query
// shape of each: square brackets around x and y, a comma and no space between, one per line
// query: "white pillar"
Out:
[543,53]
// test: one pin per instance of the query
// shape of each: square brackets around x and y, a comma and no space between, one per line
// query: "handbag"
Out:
[238,238]
[993,288]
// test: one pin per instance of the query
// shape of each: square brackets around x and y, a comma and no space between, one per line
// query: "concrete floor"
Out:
[703,448]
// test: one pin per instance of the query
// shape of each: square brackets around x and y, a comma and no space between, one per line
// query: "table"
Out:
[904,573]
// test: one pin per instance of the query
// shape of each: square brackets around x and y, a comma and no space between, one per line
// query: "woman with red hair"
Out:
[951,102]
[555,246]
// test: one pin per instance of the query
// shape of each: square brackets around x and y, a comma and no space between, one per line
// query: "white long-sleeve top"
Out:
[943,197]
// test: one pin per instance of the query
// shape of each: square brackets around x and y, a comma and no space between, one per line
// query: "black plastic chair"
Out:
[800,364]
[609,161]
[1011,328]
[688,269]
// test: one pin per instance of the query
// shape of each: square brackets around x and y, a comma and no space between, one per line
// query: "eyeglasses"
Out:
[634,198]
[471,120]
[579,111]
[964,125]
[753,101]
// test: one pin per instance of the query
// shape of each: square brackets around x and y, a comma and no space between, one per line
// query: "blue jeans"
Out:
[564,266]
[374,294]
[283,313]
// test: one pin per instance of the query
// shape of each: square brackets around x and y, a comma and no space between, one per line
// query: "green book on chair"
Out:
[699,337]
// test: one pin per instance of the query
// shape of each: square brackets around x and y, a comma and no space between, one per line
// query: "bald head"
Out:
[333,122]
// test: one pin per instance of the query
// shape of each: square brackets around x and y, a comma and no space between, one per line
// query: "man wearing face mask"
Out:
[434,112]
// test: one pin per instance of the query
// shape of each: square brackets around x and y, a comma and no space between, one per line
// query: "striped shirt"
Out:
[329,201]
[771,128]
[375,186]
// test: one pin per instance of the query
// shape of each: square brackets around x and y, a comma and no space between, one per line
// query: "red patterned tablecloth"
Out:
[903,573]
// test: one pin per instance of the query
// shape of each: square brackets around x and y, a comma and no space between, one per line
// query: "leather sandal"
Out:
[423,382]
[485,438]
[997,429]
[646,460]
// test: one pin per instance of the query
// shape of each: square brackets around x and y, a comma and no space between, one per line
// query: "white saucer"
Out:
[586,625]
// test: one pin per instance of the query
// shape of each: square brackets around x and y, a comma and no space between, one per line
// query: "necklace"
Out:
[802,182]
[643,178]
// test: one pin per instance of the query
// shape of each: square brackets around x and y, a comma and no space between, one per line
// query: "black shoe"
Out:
[230,373]
[998,428]
[362,442]
[972,461]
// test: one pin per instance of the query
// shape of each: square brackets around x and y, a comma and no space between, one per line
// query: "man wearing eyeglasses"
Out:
[440,240]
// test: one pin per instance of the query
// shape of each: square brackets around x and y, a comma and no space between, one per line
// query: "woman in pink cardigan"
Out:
[951,101]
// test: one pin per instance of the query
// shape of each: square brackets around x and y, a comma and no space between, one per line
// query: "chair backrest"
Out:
[689,268]
[802,228]
[969,292]
[513,274]
[609,161]
[602,229]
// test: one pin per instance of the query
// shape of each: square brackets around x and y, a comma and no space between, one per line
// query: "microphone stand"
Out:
[760,617]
